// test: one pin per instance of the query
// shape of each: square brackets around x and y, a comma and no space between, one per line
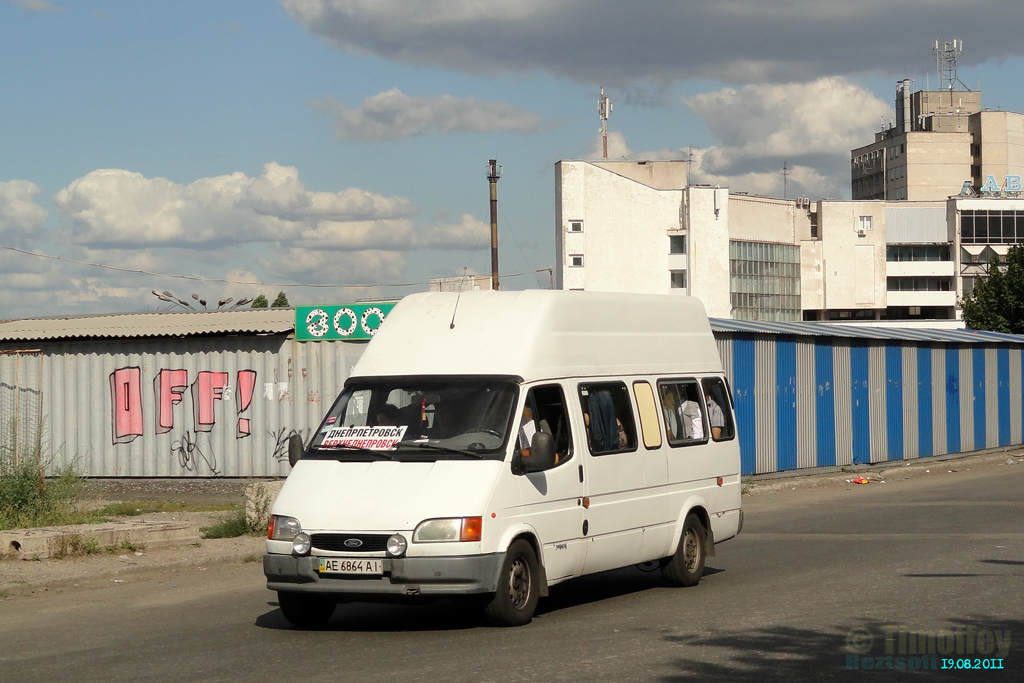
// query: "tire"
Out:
[518,589]
[304,610]
[687,565]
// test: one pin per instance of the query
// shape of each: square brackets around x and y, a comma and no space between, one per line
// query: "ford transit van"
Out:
[499,443]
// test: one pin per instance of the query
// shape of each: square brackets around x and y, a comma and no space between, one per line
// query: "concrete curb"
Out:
[60,541]
[800,479]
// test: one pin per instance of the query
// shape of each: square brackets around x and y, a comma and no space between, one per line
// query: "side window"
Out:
[685,419]
[545,412]
[608,415]
[719,409]
[645,403]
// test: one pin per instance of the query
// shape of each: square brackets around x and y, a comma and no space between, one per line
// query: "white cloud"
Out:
[810,126]
[392,114]
[610,41]
[468,233]
[35,5]
[327,267]
[824,118]
[113,208]
[20,217]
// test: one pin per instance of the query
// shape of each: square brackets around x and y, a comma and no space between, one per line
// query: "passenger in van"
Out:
[693,421]
[387,415]
[716,418]
[527,428]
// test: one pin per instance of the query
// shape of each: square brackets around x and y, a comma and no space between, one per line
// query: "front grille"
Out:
[371,543]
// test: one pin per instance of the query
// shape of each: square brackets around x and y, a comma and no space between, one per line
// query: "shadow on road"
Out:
[458,614]
[783,653]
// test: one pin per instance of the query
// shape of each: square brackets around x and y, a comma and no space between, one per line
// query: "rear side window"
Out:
[685,417]
[648,408]
[719,409]
[608,415]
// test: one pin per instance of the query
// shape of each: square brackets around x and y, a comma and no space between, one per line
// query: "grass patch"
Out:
[73,545]
[232,526]
[28,498]
[252,557]
[3,594]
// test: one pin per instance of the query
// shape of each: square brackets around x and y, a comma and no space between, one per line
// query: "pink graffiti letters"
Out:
[169,385]
[126,404]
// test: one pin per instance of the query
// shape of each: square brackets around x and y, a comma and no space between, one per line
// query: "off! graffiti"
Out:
[169,387]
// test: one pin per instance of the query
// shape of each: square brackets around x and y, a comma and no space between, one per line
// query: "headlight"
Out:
[397,545]
[283,528]
[448,530]
[301,543]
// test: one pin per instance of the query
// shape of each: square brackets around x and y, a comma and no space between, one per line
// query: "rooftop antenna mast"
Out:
[493,173]
[604,109]
[946,55]
[785,179]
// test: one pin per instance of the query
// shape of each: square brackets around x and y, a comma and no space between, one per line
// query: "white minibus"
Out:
[499,443]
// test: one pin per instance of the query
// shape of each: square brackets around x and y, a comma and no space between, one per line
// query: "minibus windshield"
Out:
[418,419]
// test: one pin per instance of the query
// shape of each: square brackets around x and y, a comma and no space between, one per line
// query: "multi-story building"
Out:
[637,226]
[939,140]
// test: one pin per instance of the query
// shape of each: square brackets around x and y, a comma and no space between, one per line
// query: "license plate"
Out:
[347,565]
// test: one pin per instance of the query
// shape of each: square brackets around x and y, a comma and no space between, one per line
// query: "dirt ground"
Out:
[190,491]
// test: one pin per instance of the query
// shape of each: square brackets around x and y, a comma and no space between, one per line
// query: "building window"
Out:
[678,279]
[918,284]
[677,244]
[575,226]
[917,252]
[814,224]
[576,260]
[764,281]
[992,227]
[864,223]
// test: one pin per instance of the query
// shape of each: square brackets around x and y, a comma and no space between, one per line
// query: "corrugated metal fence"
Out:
[191,407]
[819,401]
[225,405]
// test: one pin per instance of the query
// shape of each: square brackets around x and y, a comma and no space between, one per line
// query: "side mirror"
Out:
[542,453]
[295,449]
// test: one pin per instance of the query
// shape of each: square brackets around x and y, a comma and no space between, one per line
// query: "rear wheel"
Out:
[516,599]
[305,610]
[687,565]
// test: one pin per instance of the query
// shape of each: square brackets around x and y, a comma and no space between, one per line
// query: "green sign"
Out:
[347,321]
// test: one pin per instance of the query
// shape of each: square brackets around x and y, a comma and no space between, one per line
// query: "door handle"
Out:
[581,474]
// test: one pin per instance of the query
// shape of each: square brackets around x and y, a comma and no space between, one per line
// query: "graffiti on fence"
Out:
[169,388]
[189,453]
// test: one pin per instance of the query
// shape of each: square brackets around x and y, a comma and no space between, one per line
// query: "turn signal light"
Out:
[270,527]
[471,528]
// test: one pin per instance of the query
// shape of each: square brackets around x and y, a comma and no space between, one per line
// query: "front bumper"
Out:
[463,575]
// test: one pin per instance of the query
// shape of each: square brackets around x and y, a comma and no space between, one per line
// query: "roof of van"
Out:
[539,334]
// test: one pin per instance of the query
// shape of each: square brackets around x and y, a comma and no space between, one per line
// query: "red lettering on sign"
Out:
[208,387]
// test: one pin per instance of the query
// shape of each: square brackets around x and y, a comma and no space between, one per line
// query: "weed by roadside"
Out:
[30,499]
[252,557]
[232,526]
[73,545]
[3,594]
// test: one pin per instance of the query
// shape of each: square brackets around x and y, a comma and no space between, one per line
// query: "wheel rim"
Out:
[519,582]
[691,551]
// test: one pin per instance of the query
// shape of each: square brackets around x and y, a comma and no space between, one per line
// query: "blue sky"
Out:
[345,141]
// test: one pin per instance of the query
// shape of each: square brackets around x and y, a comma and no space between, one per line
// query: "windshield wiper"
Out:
[359,449]
[436,447]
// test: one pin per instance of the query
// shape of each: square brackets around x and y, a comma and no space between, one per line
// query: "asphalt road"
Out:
[816,577]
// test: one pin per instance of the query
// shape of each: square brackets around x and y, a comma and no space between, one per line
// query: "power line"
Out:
[197,278]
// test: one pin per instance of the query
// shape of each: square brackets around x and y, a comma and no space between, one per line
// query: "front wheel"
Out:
[516,599]
[687,565]
[304,610]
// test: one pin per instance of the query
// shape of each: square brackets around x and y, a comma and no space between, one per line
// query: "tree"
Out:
[997,303]
[281,301]
[259,302]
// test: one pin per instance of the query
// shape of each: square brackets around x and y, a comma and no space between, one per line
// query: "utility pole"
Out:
[604,108]
[493,173]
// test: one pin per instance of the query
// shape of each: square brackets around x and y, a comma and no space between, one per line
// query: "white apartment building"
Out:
[636,226]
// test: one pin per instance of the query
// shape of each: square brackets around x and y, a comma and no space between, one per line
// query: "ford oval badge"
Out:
[352,543]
